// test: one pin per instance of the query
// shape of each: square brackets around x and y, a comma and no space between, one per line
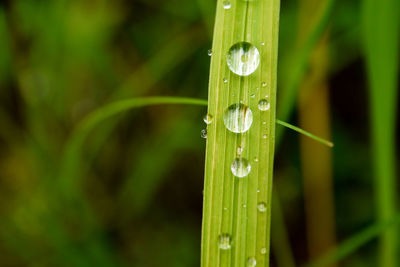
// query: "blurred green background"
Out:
[131,195]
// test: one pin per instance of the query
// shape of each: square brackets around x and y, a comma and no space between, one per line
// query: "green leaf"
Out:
[230,203]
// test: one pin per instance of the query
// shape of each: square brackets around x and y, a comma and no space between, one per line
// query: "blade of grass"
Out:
[381,39]
[301,131]
[355,242]
[230,204]
[73,148]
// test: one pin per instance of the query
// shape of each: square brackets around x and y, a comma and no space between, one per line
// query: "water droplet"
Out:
[224,241]
[225,80]
[225,209]
[262,43]
[263,251]
[262,207]
[238,118]
[243,58]
[251,262]
[203,133]
[208,119]
[210,52]
[239,150]
[244,206]
[252,95]
[226,4]
[265,136]
[240,167]
[255,159]
[263,105]
[264,122]
[258,191]
[264,84]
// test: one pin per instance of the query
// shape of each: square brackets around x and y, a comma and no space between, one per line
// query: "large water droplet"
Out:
[240,167]
[263,105]
[243,58]
[226,4]
[251,262]
[208,119]
[224,241]
[238,118]
[262,207]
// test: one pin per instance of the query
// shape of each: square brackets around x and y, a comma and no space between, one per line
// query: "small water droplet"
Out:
[252,95]
[264,84]
[263,105]
[263,251]
[262,207]
[244,206]
[265,136]
[210,52]
[240,167]
[226,4]
[251,262]
[225,209]
[264,122]
[203,133]
[208,119]
[224,241]
[239,150]
[243,58]
[262,43]
[225,80]
[255,159]
[238,118]
[258,191]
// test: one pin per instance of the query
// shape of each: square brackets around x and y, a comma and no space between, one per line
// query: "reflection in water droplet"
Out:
[263,251]
[251,262]
[224,241]
[262,207]
[243,58]
[226,4]
[240,167]
[239,150]
[208,119]
[238,118]
[203,133]
[263,105]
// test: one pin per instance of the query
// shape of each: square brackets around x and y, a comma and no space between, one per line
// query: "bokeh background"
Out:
[131,195]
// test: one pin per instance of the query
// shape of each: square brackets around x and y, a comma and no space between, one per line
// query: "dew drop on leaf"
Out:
[208,119]
[243,58]
[238,118]
[240,167]
[224,241]
[226,4]
[263,105]
[262,207]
